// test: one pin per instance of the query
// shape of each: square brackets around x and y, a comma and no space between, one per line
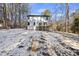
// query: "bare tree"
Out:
[20,14]
[4,13]
[14,12]
[67,18]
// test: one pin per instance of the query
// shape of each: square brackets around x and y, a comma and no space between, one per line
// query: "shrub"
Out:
[43,28]
[75,25]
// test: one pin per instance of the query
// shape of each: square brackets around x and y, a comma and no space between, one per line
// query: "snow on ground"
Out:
[21,42]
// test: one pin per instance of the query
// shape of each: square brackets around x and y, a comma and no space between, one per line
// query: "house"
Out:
[36,20]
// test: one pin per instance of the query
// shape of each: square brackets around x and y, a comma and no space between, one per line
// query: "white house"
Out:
[36,20]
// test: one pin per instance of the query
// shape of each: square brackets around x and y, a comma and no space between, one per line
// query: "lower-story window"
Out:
[40,23]
[45,23]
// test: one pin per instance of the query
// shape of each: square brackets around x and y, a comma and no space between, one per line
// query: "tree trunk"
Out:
[5,16]
[19,15]
[67,17]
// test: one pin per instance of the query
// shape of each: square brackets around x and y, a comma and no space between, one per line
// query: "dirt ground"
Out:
[21,42]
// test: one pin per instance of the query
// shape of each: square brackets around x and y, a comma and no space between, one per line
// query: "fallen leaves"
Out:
[35,45]
[72,43]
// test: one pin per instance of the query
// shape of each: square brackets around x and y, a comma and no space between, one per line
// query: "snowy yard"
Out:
[20,42]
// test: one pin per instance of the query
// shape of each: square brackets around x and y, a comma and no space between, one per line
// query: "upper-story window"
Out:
[34,23]
[46,18]
[28,23]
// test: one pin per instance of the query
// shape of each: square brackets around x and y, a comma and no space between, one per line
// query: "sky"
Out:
[37,8]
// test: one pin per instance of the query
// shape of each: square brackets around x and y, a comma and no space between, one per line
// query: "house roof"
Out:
[38,16]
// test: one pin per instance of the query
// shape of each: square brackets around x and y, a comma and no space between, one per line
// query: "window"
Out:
[28,23]
[47,18]
[34,23]
[40,23]
[45,23]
